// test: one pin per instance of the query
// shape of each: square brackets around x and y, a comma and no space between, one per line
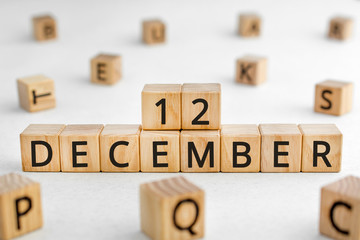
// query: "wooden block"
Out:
[321,148]
[340,28]
[333,97]
[251,70]
[340,209]
[280,148]
[240,148]
[44,28]
[106,69]
[120,148]
[200,151]
[161,107]
[201,106]
[172,209]
[160,151]
[36,93]
[153,32]
[40,148]
[20,206]
[249,25]
[79,148]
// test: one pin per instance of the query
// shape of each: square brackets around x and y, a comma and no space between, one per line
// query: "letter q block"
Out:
[172,209]
[106,69]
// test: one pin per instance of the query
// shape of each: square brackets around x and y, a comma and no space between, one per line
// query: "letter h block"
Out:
[251,70]
[340,209]
[20,206]
[172,209]
[106,69]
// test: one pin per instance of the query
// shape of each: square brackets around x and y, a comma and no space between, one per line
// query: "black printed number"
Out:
[163,109]
[206,106]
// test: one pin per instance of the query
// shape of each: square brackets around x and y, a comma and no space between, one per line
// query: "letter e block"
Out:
[40,148]
[340,28]
[340,209]
[20,206]
[251,70]
[106,69]
[249,25]
[153,32]
[172,209]
[44,28]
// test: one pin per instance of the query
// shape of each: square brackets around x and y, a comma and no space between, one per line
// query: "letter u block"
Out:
[340,209]
[172,209]
[20,206]
[153,32]
[40,148]
[106,69]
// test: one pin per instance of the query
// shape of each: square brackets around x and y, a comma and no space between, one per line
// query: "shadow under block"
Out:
[161,107]
[79,148]
[106,69]
[160,151]
[120,148]
[280,148]
[153,32]
[340,28]
[172,209]
[201,106]
[251,70]
[333,97]
[36,93]
[340,209]
[249,25]
[40,148]
[240,148]
[321,148]
[200,151]
[20,206]
[44,28]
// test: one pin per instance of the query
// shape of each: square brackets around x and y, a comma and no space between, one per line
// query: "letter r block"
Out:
[251,70]
[20,206]
[172,209]
[340,209]
[321,148]
[40,148]
[44,28]
[106,69]
[153,32]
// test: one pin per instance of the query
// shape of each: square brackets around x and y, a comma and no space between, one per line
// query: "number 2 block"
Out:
[201,106]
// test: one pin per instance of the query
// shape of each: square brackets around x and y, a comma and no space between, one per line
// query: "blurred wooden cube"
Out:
[44,28]
[251,70]
[249,25]
[340,28]
[106,69]
[153,32]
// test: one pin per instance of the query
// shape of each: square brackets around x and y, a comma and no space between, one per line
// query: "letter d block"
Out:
[106,69]
[153,32]
[172,209]
[40,148]
[20,206]
[340,209]
[44,28]
[251,70]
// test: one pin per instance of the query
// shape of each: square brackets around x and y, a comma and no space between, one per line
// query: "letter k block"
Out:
[251,70]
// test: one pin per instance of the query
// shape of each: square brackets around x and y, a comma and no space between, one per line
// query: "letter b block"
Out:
[153,32]
[172,209]
[251,70]
[44,28]
[106,69]
[20,206]
[340,209]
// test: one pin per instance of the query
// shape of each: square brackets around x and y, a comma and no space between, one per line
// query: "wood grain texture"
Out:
[44,28]
[249,25]
[48,133]
[343,222]
[154,31]
[251,70]
[161,219]
[340,28]
[13,189]
[106,69]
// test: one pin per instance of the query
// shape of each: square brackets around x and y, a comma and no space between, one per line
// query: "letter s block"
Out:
[106,69]
[172,209]
[20,206]
[44,28]
[340,209]
[40,148]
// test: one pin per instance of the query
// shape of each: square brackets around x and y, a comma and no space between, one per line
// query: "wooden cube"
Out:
[160,151]
[40,148]
[36,93]
[200,151]
[240,148]
[249,25]
[20,206]
[340,28]
[106,69]
[80,148]
[161,107]
[44,28]
[280,148]
[321,148]
[172,209]
[120,148]
[153,32]
[333,97]
[251,70]
[340,209]
[201,106]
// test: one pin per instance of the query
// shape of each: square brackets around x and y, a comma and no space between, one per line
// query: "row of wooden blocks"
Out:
[174,208]
[234,148]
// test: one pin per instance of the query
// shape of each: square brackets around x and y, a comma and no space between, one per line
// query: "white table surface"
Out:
[202,46]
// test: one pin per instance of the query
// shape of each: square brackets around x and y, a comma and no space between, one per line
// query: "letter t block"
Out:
[106,69]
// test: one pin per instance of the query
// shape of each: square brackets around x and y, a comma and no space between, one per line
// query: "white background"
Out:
[202,46]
